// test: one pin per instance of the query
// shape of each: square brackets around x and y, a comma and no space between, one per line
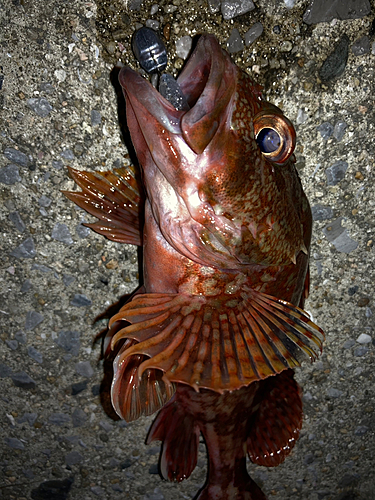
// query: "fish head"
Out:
[219,173]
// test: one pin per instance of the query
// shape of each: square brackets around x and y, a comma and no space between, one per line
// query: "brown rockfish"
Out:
[211,337]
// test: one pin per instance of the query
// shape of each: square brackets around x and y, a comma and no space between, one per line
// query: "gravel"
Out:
[59,108]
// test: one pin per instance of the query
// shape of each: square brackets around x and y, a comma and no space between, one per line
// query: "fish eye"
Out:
[275,135]
[268,140]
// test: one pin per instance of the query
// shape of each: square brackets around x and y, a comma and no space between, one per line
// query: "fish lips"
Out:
[208,83]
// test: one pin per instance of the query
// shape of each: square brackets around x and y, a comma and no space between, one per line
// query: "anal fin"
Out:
[112,197]
[277,422]
[180,437]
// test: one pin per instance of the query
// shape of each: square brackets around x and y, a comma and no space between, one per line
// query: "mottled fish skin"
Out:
[212,336]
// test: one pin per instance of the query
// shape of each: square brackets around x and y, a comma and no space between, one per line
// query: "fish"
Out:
[212,336]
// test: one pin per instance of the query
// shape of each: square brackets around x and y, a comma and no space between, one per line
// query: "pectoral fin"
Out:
[220,343]
[113,198]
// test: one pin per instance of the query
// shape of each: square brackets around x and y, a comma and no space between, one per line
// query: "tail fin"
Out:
[180,436]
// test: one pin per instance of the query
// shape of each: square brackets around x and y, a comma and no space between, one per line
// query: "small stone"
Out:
[309,458]
[68,280]
[46,87]
[348,343]
[40,106]
[321,212]
[183,46]
[44,201]
[53,490]
[234,8]
[135,4]
[79,387]
[234,42]
[106,426]
[153,24]
[286,46]
[154,9]
[325,130]
[96,118]
[26,286]
[334,393]
[336,172]
[335,64]
[98,491]
[214,6]
[61,233]
[16,156]
[361,46]
[253,33]
[126,464]
[320,11]
[12,344]
[22,379]
[5,371]
[59,419]
[347,480]
[82,231]
[57,164]
[361,430]
[10,175]
[84,369]
[344,243]
[42,268]
[155,495]
[289,4]
[353,290]
[301,117]
[26,250]
[339,130]
[30,418]
[73,458]
[95,390]
[360,351]
[154,469]
[17,221]
[364,339]
[363,301]
[60,75]
[117,487]
[29,474]
[14,443]
[79,417]
[34,354]
[33,319]
[80,300]
[69,341]
[67,154]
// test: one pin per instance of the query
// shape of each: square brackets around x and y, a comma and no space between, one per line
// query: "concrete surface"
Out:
[58,108]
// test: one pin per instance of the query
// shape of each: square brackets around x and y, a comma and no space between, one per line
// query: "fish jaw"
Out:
[169,144]
[207,180]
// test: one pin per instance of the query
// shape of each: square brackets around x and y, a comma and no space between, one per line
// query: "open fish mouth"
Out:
[206,85]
